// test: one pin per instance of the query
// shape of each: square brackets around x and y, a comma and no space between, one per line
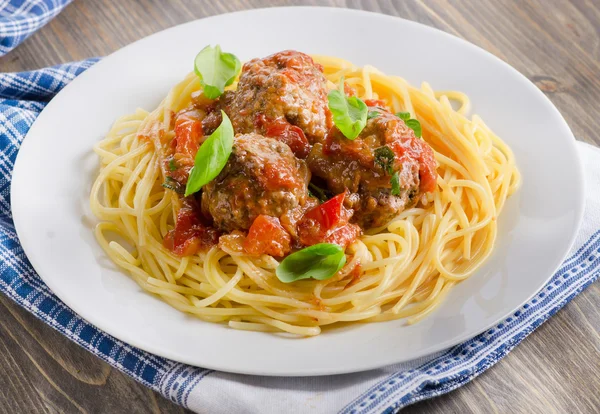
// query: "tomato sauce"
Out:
[418,149]
[285,132]
[191,234]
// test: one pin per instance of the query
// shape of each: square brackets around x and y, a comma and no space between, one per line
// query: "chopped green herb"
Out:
[405,116]
[318,192]
[411,123]
[173,185]
[384,158]
[395,184]
[172,165]
[415,126]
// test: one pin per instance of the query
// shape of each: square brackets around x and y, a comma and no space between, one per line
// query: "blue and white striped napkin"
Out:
[24,95]
[20,18]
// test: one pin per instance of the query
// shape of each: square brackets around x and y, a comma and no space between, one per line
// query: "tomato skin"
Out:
[267,236]
[285,132]
[417,149]
[188,133]
[328,223]
[184,146]
[190,234]
[375,102]
[427,167]
[329,214]
[344,235]
[349,90]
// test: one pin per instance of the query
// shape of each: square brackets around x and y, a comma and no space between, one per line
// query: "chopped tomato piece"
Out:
[344,235]
[375,102]
[267,236]
[427,167]
[188,137]
[188,133]
[285,132]
[331,213]
[328,223]
[349,90]
[417,149]
[190,234]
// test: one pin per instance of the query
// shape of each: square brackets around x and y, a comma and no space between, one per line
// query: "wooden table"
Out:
[556,44]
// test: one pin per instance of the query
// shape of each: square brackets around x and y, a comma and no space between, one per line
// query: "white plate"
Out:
[56,166]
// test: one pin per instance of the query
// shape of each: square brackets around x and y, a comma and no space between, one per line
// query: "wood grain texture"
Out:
[554,43]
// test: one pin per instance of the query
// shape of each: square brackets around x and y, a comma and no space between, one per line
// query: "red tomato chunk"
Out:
[267,236]
[190,235]
[328,223]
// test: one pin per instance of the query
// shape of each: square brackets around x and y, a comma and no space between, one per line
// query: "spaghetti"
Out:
[401,270]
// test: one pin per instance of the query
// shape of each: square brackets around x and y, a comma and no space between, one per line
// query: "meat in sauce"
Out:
[350,165]
[283,96]
[262,177]
[280,110]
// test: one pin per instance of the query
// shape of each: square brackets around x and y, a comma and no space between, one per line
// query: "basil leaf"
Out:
[173,185]
[216,70]
[211,157]
[384,158]
[349,113]
[320,261]
[172,165]
[373,114]
[395,184]
[318,192]
[415,126]
[405,116]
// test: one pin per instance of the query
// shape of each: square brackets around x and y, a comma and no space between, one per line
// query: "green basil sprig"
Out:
[320,261]
[216,70]
[411,123]
[349,112]
[211,157]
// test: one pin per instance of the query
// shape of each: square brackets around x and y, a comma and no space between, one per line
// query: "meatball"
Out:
[287,86]
[365,166]
[262,176]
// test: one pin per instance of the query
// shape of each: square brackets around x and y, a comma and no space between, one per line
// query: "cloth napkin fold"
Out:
[24,95]
[20,18]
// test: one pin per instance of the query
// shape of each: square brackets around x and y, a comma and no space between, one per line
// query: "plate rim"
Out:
[166,353]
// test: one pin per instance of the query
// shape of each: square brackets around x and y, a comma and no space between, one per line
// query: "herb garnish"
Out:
[395,180]
[384,158]
[411,123]
[319,193]
[349,112]
[174,185]
[211,157]
[320,261]
[216,70]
